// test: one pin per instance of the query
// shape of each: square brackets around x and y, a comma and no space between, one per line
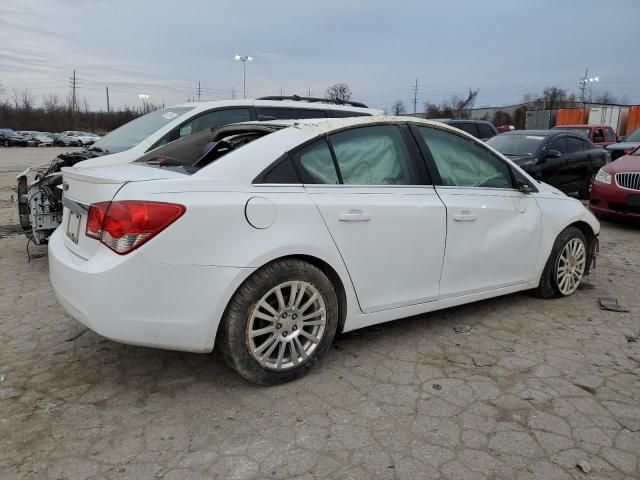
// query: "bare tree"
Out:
[607,98]
[455,107]
[339,92]
[398,108]
[51,103]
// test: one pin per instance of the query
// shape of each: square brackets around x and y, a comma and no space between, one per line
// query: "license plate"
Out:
[73,227]
[633,200]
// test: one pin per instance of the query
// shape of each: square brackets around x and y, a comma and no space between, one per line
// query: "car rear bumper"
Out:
[132,300]
[609,199]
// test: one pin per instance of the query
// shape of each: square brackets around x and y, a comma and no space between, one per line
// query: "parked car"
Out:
[601,135]
[616,188]
[266,239]
[150,131]
[562,159]
[626,145]
[83,137]
[41,139]
[20,139]
[478,128]
[5,133]
[62,140]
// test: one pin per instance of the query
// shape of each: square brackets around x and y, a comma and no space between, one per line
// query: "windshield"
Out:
[516,144]
[134,132]
[634,137]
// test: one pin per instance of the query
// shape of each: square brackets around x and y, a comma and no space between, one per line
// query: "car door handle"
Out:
[464,217]
[354,216]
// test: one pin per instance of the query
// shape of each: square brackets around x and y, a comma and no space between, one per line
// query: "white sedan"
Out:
[265,239]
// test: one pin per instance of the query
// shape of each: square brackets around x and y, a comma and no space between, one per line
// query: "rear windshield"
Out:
[516,145]
[134,132]
[584,132]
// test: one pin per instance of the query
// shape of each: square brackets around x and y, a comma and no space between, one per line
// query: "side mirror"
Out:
[621,139]
[523,187]
[553,154]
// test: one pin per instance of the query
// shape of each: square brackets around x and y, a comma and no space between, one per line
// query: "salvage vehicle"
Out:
[616,188]
[5,133]
[600,135]
[562,159]
[265,239]
[82,137]
[19,139]
[62,140]
[625,146]
[39,201]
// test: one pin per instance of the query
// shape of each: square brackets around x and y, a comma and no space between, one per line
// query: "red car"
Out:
[616,187]
[601,135]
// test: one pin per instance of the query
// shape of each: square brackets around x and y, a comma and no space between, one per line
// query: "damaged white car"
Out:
[40,200]
[266,239]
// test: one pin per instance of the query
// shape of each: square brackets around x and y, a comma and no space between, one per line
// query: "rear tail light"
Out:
[125,225]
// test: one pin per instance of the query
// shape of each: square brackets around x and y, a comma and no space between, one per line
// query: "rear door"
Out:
[493,230]
[384,216]
[557,171]
[579,159]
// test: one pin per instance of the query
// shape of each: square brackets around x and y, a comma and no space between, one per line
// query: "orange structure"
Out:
[633,120]
[572,116]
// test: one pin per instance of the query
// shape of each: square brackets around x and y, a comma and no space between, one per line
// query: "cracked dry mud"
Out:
[530,390]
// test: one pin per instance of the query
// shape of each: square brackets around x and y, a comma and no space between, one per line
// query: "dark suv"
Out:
[478,128]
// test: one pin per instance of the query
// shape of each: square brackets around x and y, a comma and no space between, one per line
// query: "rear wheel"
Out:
[280,322]
[566,265]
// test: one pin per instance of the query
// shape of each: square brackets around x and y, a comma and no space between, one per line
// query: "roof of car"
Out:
[460,120]
[302,103]
[588,125]
[538,133]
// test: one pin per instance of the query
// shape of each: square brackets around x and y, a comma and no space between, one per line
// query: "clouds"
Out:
[163,48]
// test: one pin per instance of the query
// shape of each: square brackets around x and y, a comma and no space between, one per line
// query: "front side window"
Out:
[467,127]
[598,135]
[559,144]
[462,163]
[376,155]
[611,136]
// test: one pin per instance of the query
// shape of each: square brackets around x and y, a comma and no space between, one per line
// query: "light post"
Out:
[586,80]
[244,59]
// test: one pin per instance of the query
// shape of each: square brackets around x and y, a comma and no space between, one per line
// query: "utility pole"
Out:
[199,90]
[233,93]
[309,92]
[415,97]
[281,91]
[73,92]
[107,88]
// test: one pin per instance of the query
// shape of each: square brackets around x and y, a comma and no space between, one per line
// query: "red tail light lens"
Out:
[125,225]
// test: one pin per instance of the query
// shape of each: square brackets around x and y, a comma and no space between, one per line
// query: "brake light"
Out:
[125,225]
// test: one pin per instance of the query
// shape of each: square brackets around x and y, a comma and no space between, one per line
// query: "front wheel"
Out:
[585,191]
[279,323]
[566,265]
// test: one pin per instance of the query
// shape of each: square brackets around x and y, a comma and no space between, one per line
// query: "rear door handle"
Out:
[464,217]
[354,216]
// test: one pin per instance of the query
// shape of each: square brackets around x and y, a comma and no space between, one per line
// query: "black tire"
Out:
[6,143]
[233,339]
[548,287]
[585,191]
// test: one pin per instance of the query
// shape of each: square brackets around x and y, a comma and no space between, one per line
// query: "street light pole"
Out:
[244,59]
[586,81]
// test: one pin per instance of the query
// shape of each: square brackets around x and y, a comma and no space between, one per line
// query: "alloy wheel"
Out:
[570,266]
[286,325]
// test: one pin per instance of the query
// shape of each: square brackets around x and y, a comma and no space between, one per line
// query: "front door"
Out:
[493,230]
[387,223]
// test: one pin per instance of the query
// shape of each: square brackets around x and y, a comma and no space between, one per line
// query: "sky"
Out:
[162,48]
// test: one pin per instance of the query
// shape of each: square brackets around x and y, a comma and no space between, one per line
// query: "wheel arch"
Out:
[592,241]
[322,265]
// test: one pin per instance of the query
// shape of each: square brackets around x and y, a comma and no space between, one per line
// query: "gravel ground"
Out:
[529,389]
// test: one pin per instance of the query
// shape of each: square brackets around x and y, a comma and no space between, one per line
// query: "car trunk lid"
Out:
[83,187]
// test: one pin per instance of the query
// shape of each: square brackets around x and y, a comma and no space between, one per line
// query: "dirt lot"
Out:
[528,389]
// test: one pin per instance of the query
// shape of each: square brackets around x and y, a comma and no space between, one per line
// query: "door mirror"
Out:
[553,154]
[523,187]
[622,139]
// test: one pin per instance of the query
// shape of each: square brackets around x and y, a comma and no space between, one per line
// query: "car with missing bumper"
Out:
[265,239]
[39,198]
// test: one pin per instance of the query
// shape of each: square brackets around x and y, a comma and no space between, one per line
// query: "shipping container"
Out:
[613,116]
[572,116]
[540,119]
[633,120]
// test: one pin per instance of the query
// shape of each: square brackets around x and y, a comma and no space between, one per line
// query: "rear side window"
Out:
[215,119]
[598,135]
[485,131]
[376,155]
[463,163]
[559,144]
[345,114]
[575,145]
[315,164]
[467,127]
[611,136]
[283,172]
[289,113]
